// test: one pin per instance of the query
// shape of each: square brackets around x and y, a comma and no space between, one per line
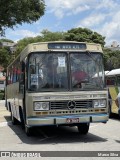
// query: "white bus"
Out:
[53,83]
[113,84]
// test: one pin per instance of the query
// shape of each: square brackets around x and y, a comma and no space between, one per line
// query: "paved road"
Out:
[4,114]
[101,137]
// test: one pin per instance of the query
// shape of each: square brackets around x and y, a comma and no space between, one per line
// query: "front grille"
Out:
[63,105]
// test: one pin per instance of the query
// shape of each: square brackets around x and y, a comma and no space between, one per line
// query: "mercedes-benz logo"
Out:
[71,105]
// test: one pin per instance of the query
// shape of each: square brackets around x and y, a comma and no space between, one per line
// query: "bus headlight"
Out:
[41,106]
[99,103]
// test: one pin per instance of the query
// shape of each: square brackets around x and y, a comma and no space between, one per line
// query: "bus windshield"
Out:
[63,71]
[87,71]
[48,71]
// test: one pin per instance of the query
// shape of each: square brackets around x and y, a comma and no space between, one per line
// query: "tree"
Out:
[111,59]
[4,57]
[5,53]
[13,12]
[52,36]
[76,34]
[25,41]
[84,35]
[45,37]
[6,40]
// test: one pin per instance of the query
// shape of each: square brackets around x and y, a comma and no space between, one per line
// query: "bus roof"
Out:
[113,72]
[106,72]
[44,46]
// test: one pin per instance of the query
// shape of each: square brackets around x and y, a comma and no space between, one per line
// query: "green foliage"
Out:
[6,40]
[111,59]
[24,42]
[13,12]
[52,36]
[1,95]
[45,37]
[84,35]
[4,57]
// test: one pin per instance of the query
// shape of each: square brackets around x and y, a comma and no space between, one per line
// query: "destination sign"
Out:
[73,46]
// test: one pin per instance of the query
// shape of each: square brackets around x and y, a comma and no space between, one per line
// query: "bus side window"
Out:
[14,75]
[8,79]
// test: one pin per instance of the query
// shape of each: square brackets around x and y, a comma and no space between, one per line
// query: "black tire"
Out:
[109,111]
[14,120]
[119,112]
[22,118]
[83,128]
[9,107]
[28,131]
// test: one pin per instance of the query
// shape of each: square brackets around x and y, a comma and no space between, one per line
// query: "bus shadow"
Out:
[7,118]
[117,141]
[55,135]
[115,117]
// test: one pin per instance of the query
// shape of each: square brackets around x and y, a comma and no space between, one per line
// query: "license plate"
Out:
[72,120]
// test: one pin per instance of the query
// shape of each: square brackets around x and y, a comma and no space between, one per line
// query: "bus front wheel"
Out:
[119,112]
[109,111]
[83,128]
[28,131]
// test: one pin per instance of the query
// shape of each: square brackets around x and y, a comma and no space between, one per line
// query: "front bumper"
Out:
[62,120]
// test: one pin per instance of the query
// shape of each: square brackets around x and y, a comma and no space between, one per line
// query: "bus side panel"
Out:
[13,99]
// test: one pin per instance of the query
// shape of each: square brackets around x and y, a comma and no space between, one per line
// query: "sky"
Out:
[102,16]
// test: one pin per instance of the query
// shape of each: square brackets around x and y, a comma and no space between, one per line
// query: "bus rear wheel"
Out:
[14,120]
[83,128]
